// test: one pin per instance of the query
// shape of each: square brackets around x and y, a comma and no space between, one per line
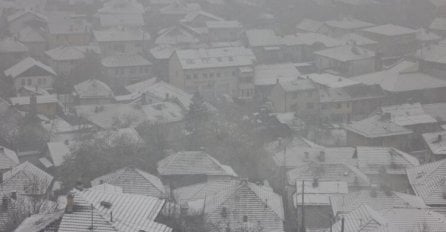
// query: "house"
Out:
[431,59]
[58,152]
[190,167]
[121,70]
[30,72]
[266,45]
[39,222]
[26,179]
[314,42]
[133,181]
[318,212]
[65,59]
[309,25]
[267,75]
[42,104]
[125,40]
[377,199]
[160,57]
[108,116]
[93,91]
[109,209]
[357,39]
[214,71]
[299,95]
[385,166]
[427,182]
[65,29]
[397,219]
[176,36]
[438,26]
[393,40]
[411,116]
[121,14]
[196,21]
[8,159]
[406,81]
[435,144]
[23,18]
[33,39]
[378,130]
[347,61]
[427,37]
[11,52]
[340,27]
[224,31]
[236,205]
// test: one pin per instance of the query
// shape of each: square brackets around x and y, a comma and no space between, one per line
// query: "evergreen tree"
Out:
[197,115]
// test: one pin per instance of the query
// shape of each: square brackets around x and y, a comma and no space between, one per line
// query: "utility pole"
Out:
[303,206]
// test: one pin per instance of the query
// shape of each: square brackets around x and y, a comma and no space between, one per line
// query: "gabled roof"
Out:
[26,178]
[435,53]
[124,60]
[39,222]
[93,88]
[190,17]
[396,80]
[134,181]
[415,219]
[372,159]
[425,35]
[348,24]
[438,24]
[328,172]
[115,34]
[127,212]
[215,57]
[267,75]
[252,201]
[376,127]
[390,30]
[58,152]
[331,81]
[21,13]
[24,65]
[40,99]
[178,7]
[66,23]
[364,219]
[408,114]
[122,7]
[8,158]
[318,194]
[30,34]
[175,35]
[436,142]
[10,45]
[309,25]
[356,39]
[193,163]
[71,52]
[346,203]
[163,112]
[297,84]
[346,53]
[428,182]
[111,20]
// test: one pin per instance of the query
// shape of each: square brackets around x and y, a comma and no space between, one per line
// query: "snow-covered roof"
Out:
[390,30]
[40,99]
[58,152]
[331,81]
[124,60]
[375,127]
[115,34]
[347,53]
[30,34]
[10,45]
[408,114]
[8,158]
[269,74]
[24,65]
[93,88]
[215,57]
[348,24]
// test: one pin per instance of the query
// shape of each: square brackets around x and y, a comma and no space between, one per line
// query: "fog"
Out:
[222,115]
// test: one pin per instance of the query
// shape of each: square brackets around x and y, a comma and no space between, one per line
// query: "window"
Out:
[218,74]
[309,94]
[30,82]
[146,69]
[338,105]
[188,76]
[295,95]
[23,82]
[310,105]
[211,75]
[323,106]
[141,69]
[205,75]
[195,76]
[234,73]
[39,81]
[245,218]
[117,71]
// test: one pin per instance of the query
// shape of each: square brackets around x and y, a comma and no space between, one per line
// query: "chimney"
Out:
[307,155]
[167,96]
[79,186]
[70,203]
[321,156]
[439,138]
